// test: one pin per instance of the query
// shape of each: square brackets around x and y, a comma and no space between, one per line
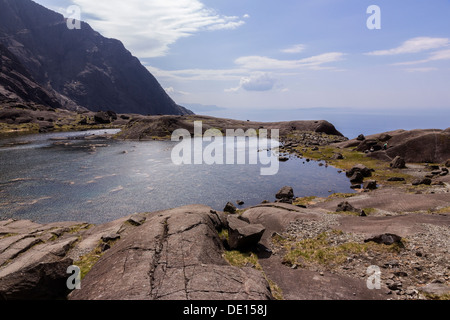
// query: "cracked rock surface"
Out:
[175,255]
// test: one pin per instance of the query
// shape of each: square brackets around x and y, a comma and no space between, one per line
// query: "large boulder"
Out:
[447,163]
[39,273]
[365,172]
[285,193]
[230,208]
[398,163]
[243,235]
[102,117]
[370,185]
[346,207]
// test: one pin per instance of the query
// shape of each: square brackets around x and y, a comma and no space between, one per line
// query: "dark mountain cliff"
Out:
[80,67]
[17,85]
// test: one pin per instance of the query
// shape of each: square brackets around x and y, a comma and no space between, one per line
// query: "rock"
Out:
[425,181]
[361,137]
[444,172]
[136,220]
[102,117]
[355,186]
[230,208]
[357,177]
[396,179]
[370,185]
[447,163]
[39,273]
[386,239]
[384,137]
[366,172]
[240,202]
[283,159]
[436,289]
[337,156]
[345,207]
[176,255]
[285,193]
[393,285]
[366,145]
[398,163]
[111,237]
[242,235]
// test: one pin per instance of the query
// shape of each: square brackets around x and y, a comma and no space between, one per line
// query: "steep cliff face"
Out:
[17,85]
[81,66]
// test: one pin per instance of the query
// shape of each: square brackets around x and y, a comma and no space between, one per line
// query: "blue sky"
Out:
[243,56]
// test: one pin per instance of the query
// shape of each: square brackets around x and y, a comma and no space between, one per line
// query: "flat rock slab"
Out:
[392,200]
[404,225]
[174,255]
[302,284]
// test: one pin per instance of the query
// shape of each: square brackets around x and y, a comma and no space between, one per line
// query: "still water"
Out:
[47,179]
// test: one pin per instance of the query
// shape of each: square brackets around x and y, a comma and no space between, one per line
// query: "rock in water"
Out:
[398,163]
[230,208]
[366,172]
[285,193]
[370,185]
[357,177]
[242,235]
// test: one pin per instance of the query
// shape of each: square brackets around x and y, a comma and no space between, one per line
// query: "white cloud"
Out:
[246,16]
[171,90]
[435,56]
[255,82]
[414,45]
[420,69]
[148,28]
[295,49]
[265,63]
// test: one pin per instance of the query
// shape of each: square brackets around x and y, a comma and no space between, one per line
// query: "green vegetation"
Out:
[86,262]
[444,297]
[351,158]
[250,259]
[304,201]
[319,250]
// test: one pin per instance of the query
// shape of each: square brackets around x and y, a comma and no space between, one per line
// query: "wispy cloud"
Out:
[435,56]
[412,70]
[298,48]
[148,28]
[265,63]
[414,45]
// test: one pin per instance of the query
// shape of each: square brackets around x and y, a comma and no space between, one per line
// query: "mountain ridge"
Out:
[80,67]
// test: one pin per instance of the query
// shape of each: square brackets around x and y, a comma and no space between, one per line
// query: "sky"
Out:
[266,58]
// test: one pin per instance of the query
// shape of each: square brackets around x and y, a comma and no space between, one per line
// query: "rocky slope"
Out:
[17,85]
[416,146]
[81,66]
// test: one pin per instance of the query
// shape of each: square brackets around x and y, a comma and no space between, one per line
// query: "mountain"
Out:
[17,85]
[80,67]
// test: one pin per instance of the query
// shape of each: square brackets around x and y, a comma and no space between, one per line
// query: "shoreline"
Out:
[303,238]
